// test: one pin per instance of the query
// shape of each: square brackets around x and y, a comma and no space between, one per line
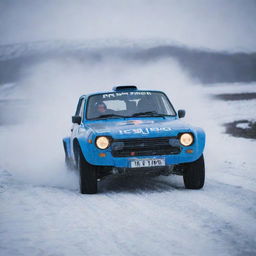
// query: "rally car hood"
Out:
[138,127]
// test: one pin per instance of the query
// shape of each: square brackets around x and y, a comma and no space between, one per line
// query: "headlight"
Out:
[186,139]
[102,142]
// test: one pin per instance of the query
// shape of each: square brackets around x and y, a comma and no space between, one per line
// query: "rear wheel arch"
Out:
[65,148]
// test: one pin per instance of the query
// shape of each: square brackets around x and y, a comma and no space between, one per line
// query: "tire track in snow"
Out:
[155,218]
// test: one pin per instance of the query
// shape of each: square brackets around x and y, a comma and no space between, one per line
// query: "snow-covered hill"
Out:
[11,51]
[207,65]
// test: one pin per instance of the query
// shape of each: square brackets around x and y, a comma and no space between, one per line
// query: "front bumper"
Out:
[105,158]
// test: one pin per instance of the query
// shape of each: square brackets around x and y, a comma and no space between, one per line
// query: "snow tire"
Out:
[68,163]
[194,174]
[87,175]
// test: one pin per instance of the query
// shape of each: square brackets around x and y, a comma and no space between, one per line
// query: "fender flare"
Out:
[66,145]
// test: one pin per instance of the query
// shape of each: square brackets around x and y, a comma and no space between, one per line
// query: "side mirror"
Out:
[76,119]
[181,113]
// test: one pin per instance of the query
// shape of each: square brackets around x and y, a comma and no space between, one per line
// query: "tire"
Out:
[194,174]
[68,163]
[87,175]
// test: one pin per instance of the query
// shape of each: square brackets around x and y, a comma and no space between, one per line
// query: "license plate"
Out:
[147,163]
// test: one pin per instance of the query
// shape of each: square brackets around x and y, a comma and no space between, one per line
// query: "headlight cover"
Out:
[102,142]
[186,139]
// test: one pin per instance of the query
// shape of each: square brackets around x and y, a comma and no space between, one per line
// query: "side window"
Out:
[166,106]
[78,108]
[81,112]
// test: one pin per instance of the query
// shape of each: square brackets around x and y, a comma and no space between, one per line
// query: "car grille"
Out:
[144,147]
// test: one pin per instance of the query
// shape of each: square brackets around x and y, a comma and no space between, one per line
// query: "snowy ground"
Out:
[42,212]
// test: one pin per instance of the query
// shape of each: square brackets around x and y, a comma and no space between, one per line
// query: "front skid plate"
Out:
[167,170]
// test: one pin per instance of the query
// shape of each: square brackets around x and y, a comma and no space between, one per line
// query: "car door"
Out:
[75,127]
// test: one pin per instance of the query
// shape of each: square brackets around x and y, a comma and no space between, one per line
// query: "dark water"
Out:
[236,96]
[234,130]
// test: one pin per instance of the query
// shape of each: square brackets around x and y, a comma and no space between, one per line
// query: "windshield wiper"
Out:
[149,113]
[109,115]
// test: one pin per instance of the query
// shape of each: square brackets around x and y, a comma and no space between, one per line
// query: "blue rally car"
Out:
[131,131]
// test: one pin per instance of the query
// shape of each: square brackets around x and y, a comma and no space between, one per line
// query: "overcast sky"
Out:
[214,24]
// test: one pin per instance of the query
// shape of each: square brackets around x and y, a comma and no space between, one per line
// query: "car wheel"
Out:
[194,174]
[87,175]
[68,163]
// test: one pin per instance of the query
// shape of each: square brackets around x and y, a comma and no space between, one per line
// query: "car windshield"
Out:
[128,104]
